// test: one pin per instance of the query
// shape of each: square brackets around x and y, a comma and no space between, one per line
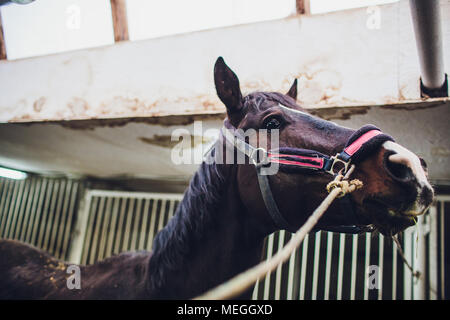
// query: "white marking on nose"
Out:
[409,159]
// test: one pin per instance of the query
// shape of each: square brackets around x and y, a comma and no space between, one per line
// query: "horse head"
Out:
[396,189]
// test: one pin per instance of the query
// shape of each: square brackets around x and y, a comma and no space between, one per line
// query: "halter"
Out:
[363,142]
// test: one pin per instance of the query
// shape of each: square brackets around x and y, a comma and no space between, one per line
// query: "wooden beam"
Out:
[2,42]
[120,23]
[302,6]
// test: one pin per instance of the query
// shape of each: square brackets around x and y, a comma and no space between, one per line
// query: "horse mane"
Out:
[195,214]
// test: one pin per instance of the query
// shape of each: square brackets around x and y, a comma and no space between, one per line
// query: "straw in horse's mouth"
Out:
[388,219]
[409,213]
[393,211]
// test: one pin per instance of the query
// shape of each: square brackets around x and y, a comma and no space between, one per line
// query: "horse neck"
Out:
[210,238]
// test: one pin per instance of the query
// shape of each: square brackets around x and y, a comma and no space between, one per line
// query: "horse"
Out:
[218,230]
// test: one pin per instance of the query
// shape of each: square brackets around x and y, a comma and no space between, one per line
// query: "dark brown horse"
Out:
[219,228]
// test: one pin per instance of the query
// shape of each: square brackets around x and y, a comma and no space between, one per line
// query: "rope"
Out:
[415,274]
[244,280]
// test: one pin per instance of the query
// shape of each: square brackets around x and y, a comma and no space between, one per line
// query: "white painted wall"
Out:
[338,60]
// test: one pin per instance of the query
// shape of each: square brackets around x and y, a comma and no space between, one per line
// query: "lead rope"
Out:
[415,274]
[236,285]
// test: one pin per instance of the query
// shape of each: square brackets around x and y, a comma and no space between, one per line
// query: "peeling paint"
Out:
[339,112]
[39,104]
[166,141]
[165,121]
[78,106]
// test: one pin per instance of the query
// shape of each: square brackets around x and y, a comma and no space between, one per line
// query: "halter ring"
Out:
[342,170]
[254,157]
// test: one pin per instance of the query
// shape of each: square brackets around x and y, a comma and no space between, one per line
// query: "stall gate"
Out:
[51,214]
[40,211]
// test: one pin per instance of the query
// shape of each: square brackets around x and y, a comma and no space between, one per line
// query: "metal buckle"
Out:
[254,157]
[337,160]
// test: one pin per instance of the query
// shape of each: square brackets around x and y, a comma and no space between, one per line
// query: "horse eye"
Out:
[272,123]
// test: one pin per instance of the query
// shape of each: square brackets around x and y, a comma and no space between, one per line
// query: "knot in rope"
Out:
[345,185]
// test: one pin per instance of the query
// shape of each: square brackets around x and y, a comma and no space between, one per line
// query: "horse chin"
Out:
[386,218]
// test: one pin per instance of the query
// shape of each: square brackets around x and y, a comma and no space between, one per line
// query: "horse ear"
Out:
[293,90]
[227,87]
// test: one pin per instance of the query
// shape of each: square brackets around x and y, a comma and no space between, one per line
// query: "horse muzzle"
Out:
[409,171]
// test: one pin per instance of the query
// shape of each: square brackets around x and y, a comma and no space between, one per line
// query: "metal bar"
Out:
[118,236]
[126,235]
[63,220]
[291,273]
[4,186]
[20,214]
[255,291]
[143,230]
[14,213]
[26,219]
[354,263]
[280,266]
[380,265]
[76,247]
[92,212]
[328,265]
[111,236]
[39,211]
[56,216]
[63,224]
[68,224]
[394,272]
[46,221]
[316,265]
[443,198]
[442,253]
[98,222]
[407,275]
[270,241]
[136,195]
[304,265]
[426,18]
[172,208]
[5,203]
[433,253]
[151,234]
[9,207]
[420,284]
[366,265]
[162,212]
[137,219]
[340,265]
[105,229]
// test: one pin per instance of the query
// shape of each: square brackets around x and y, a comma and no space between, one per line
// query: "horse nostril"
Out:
[399,171]
[426,196]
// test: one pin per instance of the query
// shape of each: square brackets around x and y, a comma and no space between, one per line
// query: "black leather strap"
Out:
[270,203]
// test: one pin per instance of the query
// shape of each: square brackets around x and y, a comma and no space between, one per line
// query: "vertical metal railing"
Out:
[51,214]
[39,211]
[335,266]
[110,222]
